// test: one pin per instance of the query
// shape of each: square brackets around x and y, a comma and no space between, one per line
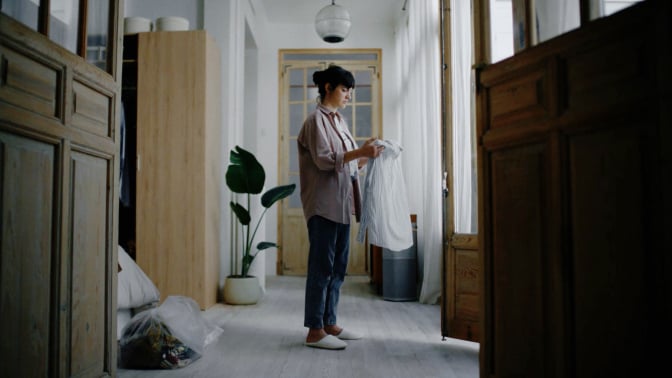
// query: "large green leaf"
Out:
[244,174]
[265,245]
[276,194]
[241,213]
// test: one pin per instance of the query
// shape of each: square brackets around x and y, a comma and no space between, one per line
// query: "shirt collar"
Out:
[328,112]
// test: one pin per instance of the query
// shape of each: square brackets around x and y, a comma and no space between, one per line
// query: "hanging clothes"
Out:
[385,212]
[124,168]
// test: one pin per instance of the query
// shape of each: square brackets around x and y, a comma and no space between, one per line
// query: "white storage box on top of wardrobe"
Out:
[171,24]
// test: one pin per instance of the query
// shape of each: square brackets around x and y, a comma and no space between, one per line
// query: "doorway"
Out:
[298,97]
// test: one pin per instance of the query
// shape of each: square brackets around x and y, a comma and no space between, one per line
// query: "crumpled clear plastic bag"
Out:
[172,335]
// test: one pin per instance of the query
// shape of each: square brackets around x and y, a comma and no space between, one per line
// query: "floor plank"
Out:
[401,339]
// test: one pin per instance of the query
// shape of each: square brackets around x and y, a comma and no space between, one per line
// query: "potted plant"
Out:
[245,175]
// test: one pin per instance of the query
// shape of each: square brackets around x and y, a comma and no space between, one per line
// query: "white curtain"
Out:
[464,185]
[418,51]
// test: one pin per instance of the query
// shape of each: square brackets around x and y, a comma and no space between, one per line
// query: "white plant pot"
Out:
[242,290]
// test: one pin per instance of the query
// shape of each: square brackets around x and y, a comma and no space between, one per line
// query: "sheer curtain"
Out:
[417,42]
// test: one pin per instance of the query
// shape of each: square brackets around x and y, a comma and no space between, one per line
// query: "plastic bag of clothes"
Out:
[170,336]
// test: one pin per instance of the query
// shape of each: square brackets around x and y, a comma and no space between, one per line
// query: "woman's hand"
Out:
[368,150]
[371,150]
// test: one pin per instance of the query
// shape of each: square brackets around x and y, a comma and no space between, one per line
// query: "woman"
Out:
[328,163]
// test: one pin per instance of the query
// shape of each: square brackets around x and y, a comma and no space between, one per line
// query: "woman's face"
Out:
[337,98]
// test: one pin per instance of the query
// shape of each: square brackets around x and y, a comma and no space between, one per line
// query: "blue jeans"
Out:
[327,263]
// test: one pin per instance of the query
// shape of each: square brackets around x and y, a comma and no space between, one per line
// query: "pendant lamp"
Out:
[332,23]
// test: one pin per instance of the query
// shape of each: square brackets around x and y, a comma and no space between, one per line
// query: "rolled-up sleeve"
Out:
[315,138]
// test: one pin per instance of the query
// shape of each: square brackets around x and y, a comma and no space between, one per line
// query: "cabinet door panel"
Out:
[28,83]
[26,182]
[463,275]
[608,230]
[517,176]
[178,177]
[89,289]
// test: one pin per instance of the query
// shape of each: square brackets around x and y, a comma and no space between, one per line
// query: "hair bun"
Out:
[318,77]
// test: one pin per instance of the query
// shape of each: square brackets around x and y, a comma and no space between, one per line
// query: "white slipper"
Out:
[328,342]
[348,335]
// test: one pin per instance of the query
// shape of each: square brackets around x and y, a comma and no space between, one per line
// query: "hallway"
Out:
[401,339]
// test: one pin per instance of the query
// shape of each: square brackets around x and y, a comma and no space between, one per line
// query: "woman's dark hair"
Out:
[333,75]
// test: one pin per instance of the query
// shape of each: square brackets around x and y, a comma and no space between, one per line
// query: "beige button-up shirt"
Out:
[327,188]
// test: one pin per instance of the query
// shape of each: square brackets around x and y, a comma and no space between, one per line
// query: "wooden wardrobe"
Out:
[58,192]
[175,79]
[574,181]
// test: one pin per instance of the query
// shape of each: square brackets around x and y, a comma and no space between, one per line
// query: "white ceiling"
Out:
[304,11]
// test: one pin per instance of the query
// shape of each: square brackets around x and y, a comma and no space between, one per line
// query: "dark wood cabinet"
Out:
[574,170]
[58,206]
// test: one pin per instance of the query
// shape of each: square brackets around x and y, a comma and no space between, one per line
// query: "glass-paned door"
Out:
[298,98]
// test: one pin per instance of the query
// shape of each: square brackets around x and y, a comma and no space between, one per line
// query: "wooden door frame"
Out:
[447,112]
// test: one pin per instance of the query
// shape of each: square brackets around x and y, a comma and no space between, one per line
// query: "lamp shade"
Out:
[332,23]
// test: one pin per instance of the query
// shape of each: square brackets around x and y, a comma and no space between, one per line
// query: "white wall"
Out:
[226,21]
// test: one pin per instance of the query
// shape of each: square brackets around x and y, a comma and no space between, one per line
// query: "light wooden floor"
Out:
[401,339]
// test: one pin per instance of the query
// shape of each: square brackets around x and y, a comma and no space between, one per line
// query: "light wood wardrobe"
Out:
[178,163]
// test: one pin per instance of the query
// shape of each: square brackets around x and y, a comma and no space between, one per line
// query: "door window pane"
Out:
[294,200]
[296,118]
[364,124]
[97,32]
[363,93]
[313,92]
[603,8]
[334,57]
[24,11]
[347,114]
[501,29]
[363,78]
[296,93]
[363,83]
[63,23]
[296,85]
[293,155]
[555,17]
